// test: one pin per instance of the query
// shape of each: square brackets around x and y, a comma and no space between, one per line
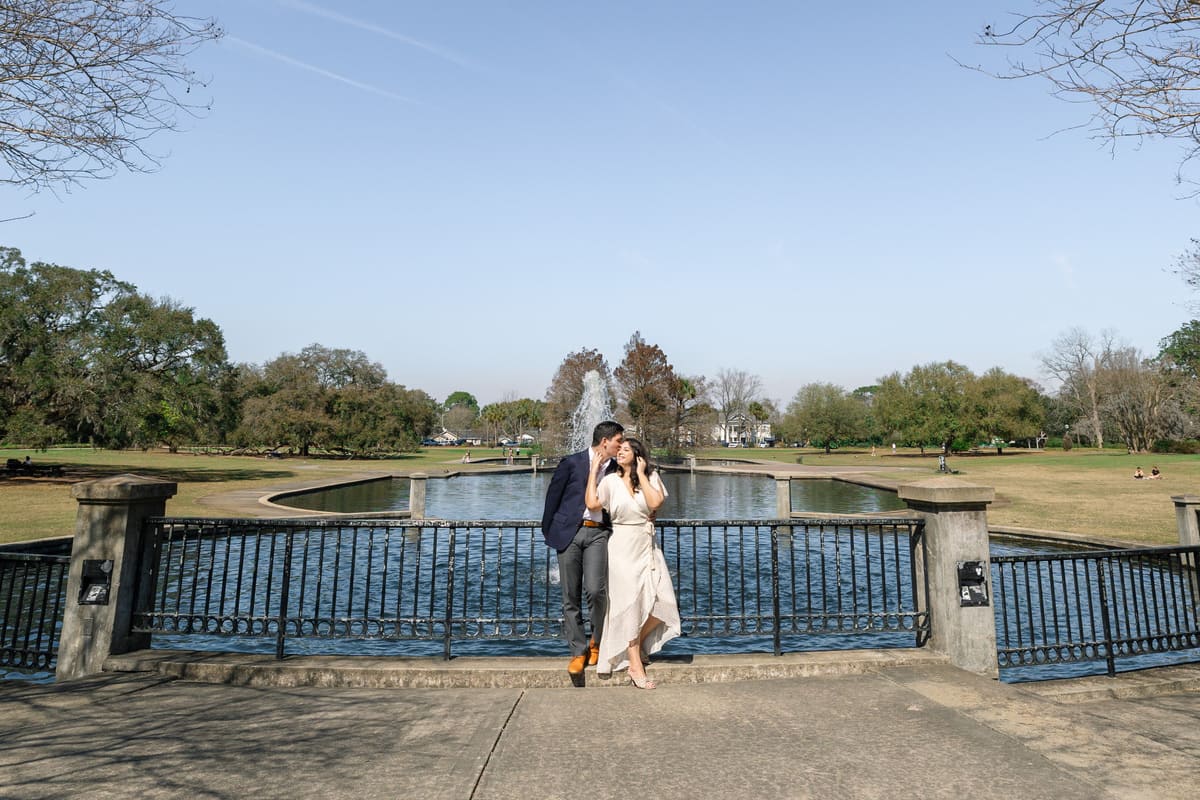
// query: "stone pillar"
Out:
[416,495]
[1187,507]
[955,514]
[109,533]
[691,462]
[1187,515]
[783,497]
[783,501]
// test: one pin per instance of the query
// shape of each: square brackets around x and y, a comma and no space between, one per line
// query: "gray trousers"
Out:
[583,567]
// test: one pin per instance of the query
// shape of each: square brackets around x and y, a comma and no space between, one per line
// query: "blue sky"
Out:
[469,191]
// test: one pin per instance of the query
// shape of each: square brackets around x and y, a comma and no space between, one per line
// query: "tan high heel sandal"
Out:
[643,682]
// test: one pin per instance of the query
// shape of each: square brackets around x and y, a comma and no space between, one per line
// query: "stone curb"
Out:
[495,673]
[1151,682]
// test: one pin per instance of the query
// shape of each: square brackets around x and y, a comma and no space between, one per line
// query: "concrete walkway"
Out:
[919,730]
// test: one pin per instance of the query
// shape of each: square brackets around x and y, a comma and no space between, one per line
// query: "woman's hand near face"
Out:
[591,497]
[650,490]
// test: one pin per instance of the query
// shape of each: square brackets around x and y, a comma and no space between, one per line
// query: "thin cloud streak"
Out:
[318,11]
[366,87]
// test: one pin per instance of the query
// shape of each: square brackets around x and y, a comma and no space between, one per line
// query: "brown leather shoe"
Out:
[575,669]
[593,653]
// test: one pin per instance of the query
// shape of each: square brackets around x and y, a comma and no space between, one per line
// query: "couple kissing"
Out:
[599,518]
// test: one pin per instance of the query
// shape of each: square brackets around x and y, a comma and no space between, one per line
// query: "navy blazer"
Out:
[565,499]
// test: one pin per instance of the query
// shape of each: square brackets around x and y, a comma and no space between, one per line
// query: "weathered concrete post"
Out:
[1187,515]
[416,495]
[109,536]
[691,462]
[783,497]
[955,514]
[783,501]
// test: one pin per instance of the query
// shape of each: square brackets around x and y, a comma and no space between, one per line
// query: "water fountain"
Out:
[594,407]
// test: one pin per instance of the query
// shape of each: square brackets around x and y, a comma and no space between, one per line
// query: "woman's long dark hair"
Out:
[639,451]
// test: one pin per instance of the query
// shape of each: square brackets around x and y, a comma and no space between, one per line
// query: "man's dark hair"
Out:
[606,430]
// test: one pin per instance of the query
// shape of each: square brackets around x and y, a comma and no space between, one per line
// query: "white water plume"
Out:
[594,407]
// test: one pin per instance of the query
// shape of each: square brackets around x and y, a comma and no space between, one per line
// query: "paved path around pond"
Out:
[924,730]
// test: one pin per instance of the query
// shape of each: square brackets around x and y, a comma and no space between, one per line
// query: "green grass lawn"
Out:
[39,507]
[1083,491]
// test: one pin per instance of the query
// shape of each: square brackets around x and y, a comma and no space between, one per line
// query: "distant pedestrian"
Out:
[466,459]
[893,448]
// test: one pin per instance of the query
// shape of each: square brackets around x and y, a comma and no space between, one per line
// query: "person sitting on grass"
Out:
[1138,474]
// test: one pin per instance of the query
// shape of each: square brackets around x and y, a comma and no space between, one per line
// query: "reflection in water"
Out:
[521,495]
[382,495]
[838,497]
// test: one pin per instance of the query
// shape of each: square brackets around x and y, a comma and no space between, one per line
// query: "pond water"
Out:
[521,495]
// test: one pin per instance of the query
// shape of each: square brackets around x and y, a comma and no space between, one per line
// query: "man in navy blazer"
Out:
[581,539]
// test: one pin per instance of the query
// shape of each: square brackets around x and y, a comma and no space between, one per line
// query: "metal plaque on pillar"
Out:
[972,583]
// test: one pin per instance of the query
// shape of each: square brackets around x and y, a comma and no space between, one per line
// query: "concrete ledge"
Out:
[1151,682]
[242,669]
[1062,537]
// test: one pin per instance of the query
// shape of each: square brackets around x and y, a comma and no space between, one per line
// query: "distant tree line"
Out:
[1106,392]
[86,358]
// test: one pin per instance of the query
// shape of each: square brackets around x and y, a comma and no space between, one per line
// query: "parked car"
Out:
[427,442]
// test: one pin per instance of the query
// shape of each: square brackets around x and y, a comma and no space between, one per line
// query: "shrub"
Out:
[1189,447]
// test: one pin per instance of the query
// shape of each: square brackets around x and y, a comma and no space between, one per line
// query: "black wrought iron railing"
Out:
[32,596]
[1095,605]
[457,581]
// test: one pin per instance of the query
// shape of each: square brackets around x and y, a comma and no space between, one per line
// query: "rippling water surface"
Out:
[521,496]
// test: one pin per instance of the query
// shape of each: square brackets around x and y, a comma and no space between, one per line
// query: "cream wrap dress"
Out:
[639,585]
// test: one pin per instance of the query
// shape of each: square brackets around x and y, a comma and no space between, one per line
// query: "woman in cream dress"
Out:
[642,612]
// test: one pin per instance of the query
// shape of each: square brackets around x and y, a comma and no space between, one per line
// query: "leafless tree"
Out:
[85,83]
[1078,361]
[1141,400]
[1188,267]
[732,392]
[1138,63]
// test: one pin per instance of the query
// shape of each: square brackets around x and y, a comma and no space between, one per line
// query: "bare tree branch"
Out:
[85,83]
[1137,62]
